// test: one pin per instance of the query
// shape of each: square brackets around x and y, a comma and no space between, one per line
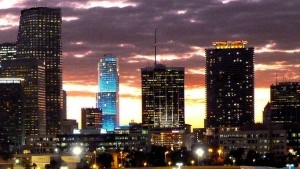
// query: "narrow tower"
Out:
[108,95]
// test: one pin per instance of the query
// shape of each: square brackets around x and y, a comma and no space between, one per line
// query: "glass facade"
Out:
[163,96]
[108,95]
[39,37]
[229,85]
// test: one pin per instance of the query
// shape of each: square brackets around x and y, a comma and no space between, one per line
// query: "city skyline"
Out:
[184,31]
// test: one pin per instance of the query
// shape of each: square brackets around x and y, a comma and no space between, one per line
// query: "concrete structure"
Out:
[163,96]
[229,84]
[284,106]
[39,37]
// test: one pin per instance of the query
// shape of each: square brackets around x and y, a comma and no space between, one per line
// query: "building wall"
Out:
[11,112]
[34,109]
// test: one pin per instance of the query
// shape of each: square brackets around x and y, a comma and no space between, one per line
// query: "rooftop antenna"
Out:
[155,49]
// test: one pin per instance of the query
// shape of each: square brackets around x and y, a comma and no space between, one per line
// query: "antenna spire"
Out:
[155,49]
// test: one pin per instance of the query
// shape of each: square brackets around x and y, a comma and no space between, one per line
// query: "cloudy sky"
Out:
[92,28]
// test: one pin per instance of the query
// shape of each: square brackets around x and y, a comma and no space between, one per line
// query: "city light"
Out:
[199,153]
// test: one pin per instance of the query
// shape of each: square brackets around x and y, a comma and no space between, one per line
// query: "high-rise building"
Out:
[11,112]
[8,51]
[162,96]
[108,95]
[91,118]
[33,73]
[285,104]
[39,37]
[229,84]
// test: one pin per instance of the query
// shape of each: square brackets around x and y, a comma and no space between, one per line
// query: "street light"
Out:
[166,156]
[95,165]
[192,162]
[199,153]
[219,152]
[77,150]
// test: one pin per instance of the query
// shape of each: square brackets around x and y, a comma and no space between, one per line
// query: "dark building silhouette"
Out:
[91,118]
[11,112]
[285,104]
[34,109]
[229,84]
[163,96]
[39,37]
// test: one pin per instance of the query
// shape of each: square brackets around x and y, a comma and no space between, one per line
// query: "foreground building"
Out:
[32,71]
[11,113]
[108,96]
[163,96]
[39,37]
[229,84]
[285,104]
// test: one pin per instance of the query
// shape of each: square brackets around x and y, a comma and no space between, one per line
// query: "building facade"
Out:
[39,37]
[34,109]
[11,112]
[285,104]
[8,51]
[108,95]
[91,118]
[229,84]
[163,96]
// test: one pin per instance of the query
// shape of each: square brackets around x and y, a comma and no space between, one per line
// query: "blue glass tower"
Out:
[108,95]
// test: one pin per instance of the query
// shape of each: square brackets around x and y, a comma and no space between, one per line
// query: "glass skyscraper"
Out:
[229,84]
[108,95]
[39,37]
[163,96]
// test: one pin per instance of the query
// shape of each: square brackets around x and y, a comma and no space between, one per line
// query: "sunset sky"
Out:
[93,28]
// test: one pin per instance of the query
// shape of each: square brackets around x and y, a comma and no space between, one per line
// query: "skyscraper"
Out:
[229,84]
[163,96]
[108,95]
[11,112]
[39,37]
[8,51]
[285,103]
[32,71]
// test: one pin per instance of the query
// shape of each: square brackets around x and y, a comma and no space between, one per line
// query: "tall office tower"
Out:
[8,51]
[108,95]
[285,104]
[91,118]
[229,84]
[33,73]
[163,96]
[11,111]
[39,37]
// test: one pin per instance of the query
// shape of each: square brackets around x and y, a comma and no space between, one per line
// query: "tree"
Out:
[105,159]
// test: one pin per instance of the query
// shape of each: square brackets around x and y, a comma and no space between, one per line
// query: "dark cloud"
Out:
[181,25]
